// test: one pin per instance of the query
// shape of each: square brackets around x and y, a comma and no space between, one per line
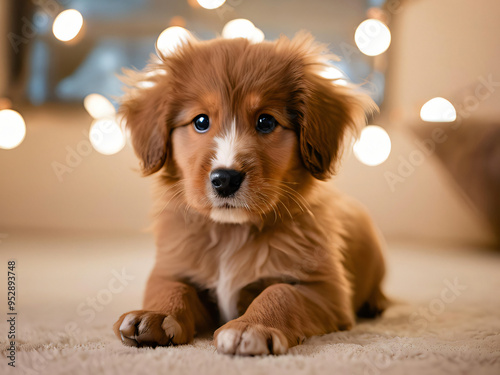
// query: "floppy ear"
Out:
[330,110]
[144,109]
[327,109]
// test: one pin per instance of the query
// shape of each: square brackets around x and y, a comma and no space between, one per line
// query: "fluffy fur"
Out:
[286,257]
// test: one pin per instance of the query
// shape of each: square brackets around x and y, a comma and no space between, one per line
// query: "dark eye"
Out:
[201,123]
[266,123]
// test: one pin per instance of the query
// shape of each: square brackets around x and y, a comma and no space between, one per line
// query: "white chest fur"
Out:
[227,293]
[232,275]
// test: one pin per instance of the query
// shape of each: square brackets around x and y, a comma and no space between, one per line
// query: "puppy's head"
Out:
[243,129]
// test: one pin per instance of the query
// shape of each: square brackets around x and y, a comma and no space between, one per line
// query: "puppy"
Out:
[249,237]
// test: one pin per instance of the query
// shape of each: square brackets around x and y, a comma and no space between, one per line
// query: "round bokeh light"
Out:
[106,136]
[373,146]
[67,25]
[12,129]
[372,37]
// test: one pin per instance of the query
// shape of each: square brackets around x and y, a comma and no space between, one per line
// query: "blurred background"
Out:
[427,167]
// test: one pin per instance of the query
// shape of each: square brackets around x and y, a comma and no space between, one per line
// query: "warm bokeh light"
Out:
[242,28]
[146,84]
[67,25]
[171,38]
[258,35]
[211,4]
[333,73]
[438,110]
[98,106]
[149,80]
[12,129]
[106,136]
[373,146]
[372,37]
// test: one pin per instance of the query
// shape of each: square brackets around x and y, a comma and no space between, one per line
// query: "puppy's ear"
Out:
[145,111]
[330,110]
[327,109]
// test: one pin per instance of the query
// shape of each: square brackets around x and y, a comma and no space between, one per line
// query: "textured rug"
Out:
[71,288]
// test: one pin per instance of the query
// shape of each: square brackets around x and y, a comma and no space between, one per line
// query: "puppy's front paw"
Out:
[148,328]
[249,339]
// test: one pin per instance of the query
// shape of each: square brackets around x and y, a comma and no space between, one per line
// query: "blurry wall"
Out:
[444,48]
[426,207]
[55,179]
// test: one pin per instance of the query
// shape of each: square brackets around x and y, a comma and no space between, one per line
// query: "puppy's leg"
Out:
[172,314]
[282,316]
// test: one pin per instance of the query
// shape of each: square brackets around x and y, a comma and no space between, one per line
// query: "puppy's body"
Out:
[333,241]
[282,257]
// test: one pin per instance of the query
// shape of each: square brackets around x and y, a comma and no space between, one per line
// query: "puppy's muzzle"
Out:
[226,182]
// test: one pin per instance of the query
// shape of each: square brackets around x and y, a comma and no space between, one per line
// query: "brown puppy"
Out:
[249,236]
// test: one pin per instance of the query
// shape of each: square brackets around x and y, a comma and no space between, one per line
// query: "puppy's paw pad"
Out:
[250,339]
[227,341]
[146,328]
[252,343]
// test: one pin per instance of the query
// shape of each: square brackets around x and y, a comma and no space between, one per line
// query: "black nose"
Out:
[226,181]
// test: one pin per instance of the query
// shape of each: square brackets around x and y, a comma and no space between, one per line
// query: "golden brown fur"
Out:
[290,257]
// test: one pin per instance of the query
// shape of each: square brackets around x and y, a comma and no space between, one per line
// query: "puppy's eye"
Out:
[266,123]
[201,123]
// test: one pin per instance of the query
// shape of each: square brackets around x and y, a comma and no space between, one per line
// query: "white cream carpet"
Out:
[69,295]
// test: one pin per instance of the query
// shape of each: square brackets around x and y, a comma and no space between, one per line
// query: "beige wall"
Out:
[443,48]
[426,207]
[99,193]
